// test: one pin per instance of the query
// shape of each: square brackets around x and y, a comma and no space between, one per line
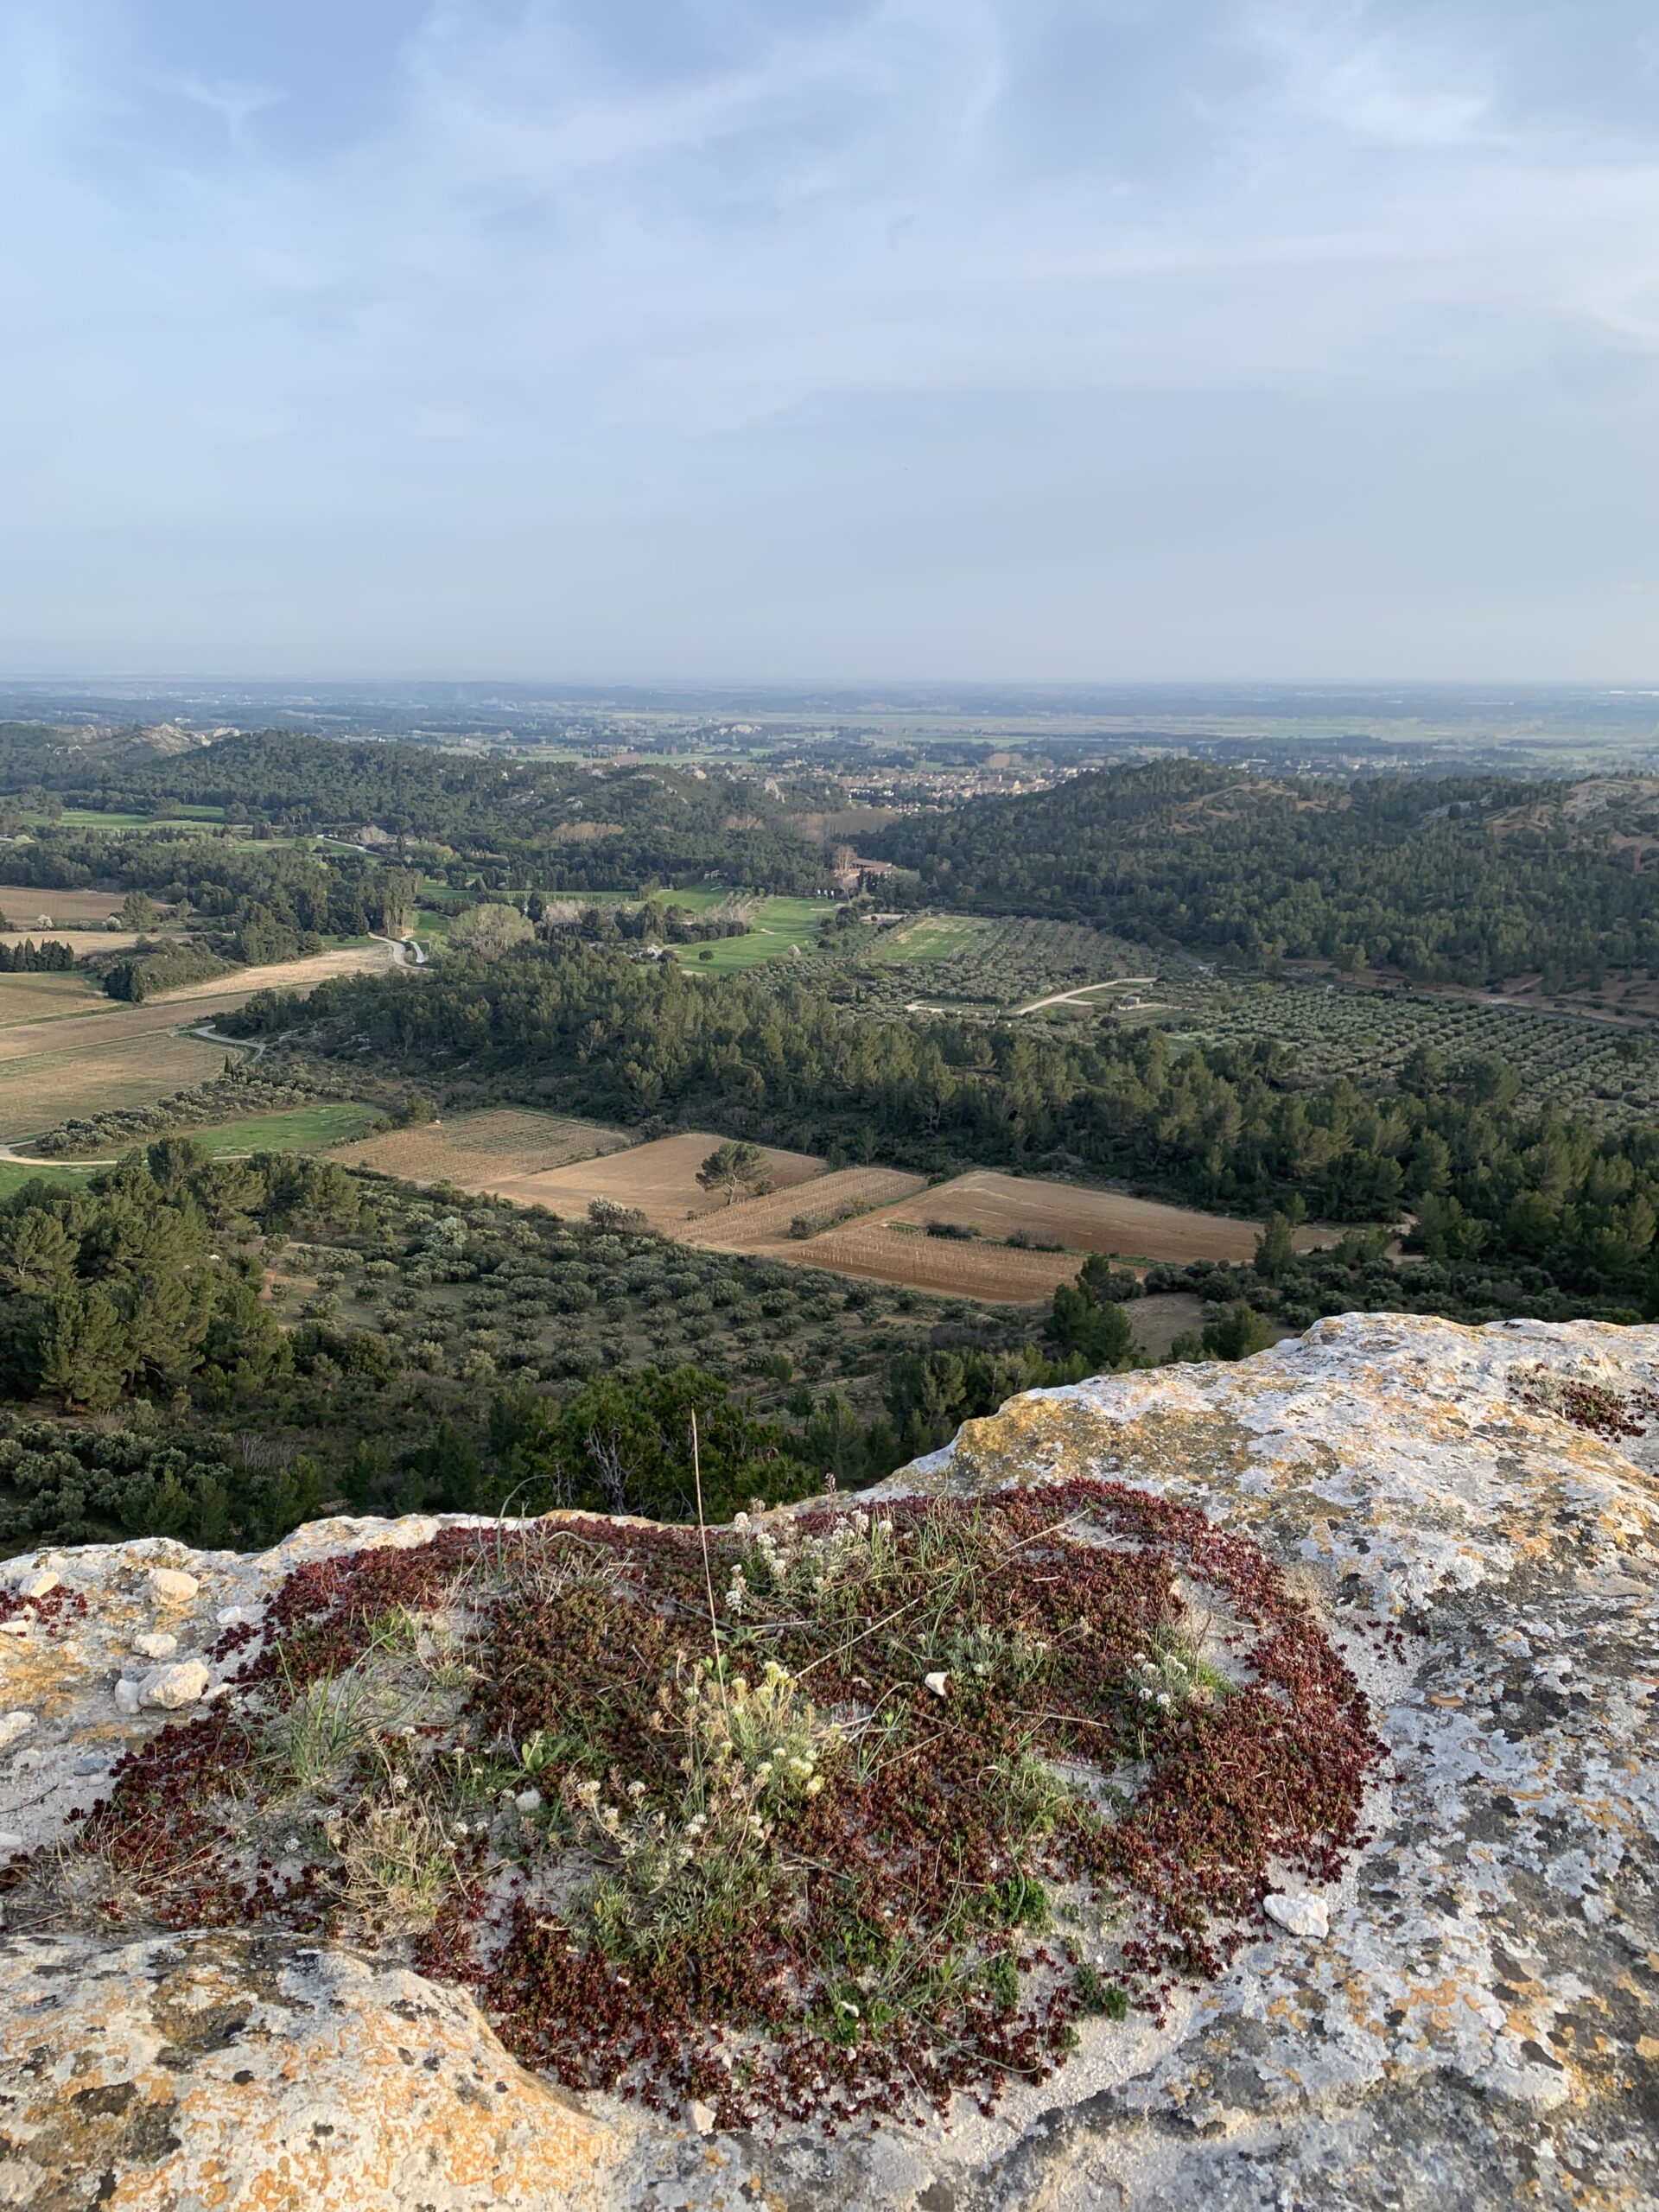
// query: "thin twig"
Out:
[841,1650]
[1065,1719]
[708,1571]
[910,1752]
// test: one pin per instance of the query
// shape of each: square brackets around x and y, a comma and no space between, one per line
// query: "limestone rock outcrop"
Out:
[1467,2018]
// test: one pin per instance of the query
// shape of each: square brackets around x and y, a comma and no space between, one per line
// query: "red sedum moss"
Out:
[960,1772]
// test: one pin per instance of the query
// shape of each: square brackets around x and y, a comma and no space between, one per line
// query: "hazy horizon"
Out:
[1045,341]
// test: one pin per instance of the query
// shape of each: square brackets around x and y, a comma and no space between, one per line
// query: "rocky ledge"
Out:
[1466,2017]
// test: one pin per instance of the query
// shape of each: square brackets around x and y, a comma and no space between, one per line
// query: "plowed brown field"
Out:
[97,1075]
[759,1224]
[660,1180]
[1089,1221]
[880,1253]
[491,1152]
[890,1244]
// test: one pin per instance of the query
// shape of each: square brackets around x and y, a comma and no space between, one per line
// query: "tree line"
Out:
[50,958]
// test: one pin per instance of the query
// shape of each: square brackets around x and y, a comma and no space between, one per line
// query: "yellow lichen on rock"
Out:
[236,2071]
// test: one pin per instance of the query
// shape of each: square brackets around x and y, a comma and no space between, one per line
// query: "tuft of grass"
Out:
[325,1728]
[1097,1997]
[396,1864]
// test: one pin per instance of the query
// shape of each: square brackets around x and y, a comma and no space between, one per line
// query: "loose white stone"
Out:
[9,1841]
[937,1683]
[126,1695]
[158,1645]
[1298,1912]
[17,1624]
[12,1726]
[171,1585]
[40,1582]
[701,2116]
[172,1687]
[234,1616]
[529,1800]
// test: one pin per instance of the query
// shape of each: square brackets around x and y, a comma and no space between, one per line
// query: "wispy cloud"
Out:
[584,258]
[234,104]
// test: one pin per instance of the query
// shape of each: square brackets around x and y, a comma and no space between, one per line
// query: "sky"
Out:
[1007,339]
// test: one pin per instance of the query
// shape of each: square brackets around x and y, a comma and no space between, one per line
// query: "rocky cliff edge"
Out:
[1466,2017]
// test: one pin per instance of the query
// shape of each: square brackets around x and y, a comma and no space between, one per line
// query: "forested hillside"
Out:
[1232,1125]
[1464,880]
[554,825]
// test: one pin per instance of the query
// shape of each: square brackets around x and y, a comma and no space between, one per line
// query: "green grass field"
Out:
[13,1174]
[933,937]
[299,1128]
[697,901]
[783,928]
[88,818]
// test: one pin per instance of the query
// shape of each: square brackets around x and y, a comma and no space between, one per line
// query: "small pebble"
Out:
[1298,1912]
[40,1582]
[937,1683]
[171,1585]
[175,1685]
[701,2116]
[158,1645]
[126,1696]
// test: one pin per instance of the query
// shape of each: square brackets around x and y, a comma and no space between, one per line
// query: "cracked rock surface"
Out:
[1468,2017]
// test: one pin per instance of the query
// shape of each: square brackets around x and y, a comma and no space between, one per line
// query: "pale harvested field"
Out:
[757,1225]
[1091,1221]
[491,1152]
[23,903]
[890,1244]
[78,941]
[118,1055]
[45,997]
[285,976]
[660,1180]
[106,1022]
[42,1088]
